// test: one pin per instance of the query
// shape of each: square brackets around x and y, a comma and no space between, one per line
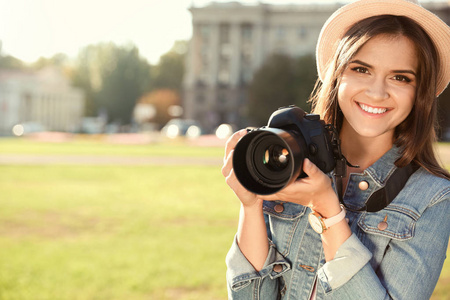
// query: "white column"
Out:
[214,54]
[259,45]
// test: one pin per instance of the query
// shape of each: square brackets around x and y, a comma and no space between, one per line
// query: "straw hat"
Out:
[339,22]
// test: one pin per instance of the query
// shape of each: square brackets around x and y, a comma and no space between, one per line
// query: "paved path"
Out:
[26,159]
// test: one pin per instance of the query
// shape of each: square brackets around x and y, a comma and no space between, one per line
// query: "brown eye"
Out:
[402,78]
[362,70]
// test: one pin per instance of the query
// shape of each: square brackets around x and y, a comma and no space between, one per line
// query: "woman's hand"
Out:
[314,191]
[247,198]
[252,233]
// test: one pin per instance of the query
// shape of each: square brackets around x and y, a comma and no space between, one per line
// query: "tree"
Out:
[273,86]
[113,77]
[9,62]
[305,79]
[59,59]
[281,81]
[123,83]
[170,70]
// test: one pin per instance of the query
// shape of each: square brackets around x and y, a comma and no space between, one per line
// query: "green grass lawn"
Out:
[117,232]
[80,146]
[95,232]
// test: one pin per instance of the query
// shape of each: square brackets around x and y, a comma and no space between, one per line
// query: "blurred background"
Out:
[132,66]
[113,118]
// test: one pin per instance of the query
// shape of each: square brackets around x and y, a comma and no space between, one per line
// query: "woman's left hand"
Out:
[314,191]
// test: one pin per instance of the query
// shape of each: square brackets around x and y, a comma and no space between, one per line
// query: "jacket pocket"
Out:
[282,220]
[393,222]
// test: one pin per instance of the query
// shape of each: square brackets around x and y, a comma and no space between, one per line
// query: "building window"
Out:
[200,100]
[302,32]
[247,45]
[224,33]
[205,33]
[225,51]
[204,53]
[246,51]
[222,98]
[280,32]
[26,108]
[246,32]
[246,76]
[224,76]
[204,78]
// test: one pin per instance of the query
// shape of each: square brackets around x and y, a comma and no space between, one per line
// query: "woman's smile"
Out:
[371,110]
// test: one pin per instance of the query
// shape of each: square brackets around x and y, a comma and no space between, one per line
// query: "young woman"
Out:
[381,64]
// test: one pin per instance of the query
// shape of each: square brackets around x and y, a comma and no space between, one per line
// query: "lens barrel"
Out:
[267,159]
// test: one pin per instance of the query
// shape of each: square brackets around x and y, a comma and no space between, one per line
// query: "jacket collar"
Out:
[385,166]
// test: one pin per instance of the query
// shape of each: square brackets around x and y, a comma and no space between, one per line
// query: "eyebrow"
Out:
[357,61]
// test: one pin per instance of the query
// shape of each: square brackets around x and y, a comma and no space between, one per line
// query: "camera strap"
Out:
[384,196]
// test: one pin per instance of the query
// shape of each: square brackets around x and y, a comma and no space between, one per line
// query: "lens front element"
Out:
[276,157]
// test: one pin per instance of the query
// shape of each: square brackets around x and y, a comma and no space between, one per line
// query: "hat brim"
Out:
[341,21]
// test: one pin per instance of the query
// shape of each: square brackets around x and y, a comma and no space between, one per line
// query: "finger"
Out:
[234,183]
[231,179]
[228,164]
[311,169]
[232,141]
[272,197]
[314,174]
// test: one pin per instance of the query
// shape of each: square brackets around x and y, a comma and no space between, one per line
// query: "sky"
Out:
[30,29]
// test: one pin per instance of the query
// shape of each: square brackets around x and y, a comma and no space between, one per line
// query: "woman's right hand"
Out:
[251,235]
[247,198]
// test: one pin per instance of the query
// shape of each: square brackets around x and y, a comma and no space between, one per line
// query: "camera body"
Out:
[267,159]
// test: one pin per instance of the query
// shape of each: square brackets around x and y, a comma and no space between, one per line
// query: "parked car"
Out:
[224,131]
[27,128]
[181,127]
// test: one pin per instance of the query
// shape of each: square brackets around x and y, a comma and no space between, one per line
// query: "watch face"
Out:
[315,223]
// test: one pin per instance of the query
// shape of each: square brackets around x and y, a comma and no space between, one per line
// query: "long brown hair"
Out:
[416,135]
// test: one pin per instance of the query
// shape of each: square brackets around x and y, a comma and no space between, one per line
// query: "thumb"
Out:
[310,169]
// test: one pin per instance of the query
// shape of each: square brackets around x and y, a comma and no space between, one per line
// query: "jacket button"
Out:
[363,185]
[277,268]
[382,225]
[279,208]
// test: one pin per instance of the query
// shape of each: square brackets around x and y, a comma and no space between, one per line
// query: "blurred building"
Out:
[42,100]
[231,41]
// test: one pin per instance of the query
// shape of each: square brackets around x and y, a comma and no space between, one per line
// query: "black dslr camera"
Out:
[267,159]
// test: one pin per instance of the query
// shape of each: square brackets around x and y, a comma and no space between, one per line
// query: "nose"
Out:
[377,89]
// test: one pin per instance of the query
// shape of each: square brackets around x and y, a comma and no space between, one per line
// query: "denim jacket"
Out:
[395,253]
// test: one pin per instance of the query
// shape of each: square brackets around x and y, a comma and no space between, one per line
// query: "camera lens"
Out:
[266,160]
[268,164]
[276,157]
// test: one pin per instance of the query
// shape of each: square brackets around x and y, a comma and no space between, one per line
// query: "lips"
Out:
[372,110]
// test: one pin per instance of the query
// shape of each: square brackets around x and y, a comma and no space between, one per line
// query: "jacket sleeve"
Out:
[409,268]
[350,258]
[244,282]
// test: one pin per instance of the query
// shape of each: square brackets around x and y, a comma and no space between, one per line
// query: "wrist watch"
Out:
[321,224]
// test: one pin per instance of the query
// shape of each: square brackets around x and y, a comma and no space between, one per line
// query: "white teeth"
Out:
[372,110]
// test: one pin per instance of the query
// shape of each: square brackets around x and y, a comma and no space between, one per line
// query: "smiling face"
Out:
[378,88]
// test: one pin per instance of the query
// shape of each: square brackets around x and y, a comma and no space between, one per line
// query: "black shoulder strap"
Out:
[381,198]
